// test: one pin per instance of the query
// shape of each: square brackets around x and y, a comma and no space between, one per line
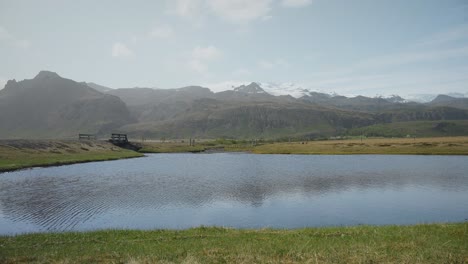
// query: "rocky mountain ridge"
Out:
[49,106]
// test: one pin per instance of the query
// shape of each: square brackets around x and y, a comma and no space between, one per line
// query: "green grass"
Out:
[19,154]
[418,146]
[200,146]
[170,147]
[440,128]
[435,243]
[414,146]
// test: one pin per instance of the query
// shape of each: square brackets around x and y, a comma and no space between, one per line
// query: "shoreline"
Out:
[422,243]
[59,164]
[23,154]
[246,229]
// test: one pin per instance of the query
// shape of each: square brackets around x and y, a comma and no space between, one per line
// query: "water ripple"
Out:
[182,190]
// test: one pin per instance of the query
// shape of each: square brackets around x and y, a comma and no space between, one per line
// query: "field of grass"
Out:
[18,154]
[200,146]
[169,147]
[435,243]
[419,146]
[440,128]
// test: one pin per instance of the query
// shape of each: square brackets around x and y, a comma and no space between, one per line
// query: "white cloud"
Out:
[234,11]
[3,81]
[197,66]
[121,50]
[134,39]
[402,83]
[161,32]
[296,3]
[240,11]
[278,63]
[201,56]
[412,57]
[241,71]
[226,85]
[448,36]
[9,38]
[186,8]
[206,53]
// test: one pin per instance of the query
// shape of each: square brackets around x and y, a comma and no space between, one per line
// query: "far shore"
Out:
[21,154]
[384,146]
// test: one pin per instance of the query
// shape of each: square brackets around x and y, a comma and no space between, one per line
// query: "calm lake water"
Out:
[236,190]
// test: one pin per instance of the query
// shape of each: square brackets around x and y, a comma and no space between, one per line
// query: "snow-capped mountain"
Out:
[425,98]
[253,88]
[395,99]
[295,90]
[299,90]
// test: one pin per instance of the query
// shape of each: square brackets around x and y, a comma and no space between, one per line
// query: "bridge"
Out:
[86,136]
[119,138]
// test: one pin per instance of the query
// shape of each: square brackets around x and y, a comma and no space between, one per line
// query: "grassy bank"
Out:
[435,243]
[419,146]
[170,147]
[19,154]
[200,146]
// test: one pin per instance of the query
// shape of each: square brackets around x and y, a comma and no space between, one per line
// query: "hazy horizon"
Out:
[360,47]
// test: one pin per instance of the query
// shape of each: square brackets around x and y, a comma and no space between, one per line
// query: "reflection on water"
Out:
[240,190]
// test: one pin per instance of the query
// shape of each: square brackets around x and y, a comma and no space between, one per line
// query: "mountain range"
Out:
[49,106]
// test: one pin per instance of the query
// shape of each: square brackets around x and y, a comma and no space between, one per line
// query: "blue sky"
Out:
[364,47]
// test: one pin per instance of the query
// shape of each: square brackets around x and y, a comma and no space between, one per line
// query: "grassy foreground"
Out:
[435,243]
[19,154]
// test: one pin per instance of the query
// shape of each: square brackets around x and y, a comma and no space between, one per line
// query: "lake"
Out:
[239,190]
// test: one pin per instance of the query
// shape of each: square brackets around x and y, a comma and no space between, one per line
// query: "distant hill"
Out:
[249,111]
[211,118]
[358,103]
[50,106]
[445,100]
[98,87]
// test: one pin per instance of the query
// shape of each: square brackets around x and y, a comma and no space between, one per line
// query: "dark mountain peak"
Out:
[441,98]
[252,88]
[11,83]
[319,95]
[194,88]
[336,96]
[52,106]
[46,75]
[361,97]
[395,99]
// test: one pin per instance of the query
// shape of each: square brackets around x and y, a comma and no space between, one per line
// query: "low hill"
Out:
[445,100]
[50,106]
